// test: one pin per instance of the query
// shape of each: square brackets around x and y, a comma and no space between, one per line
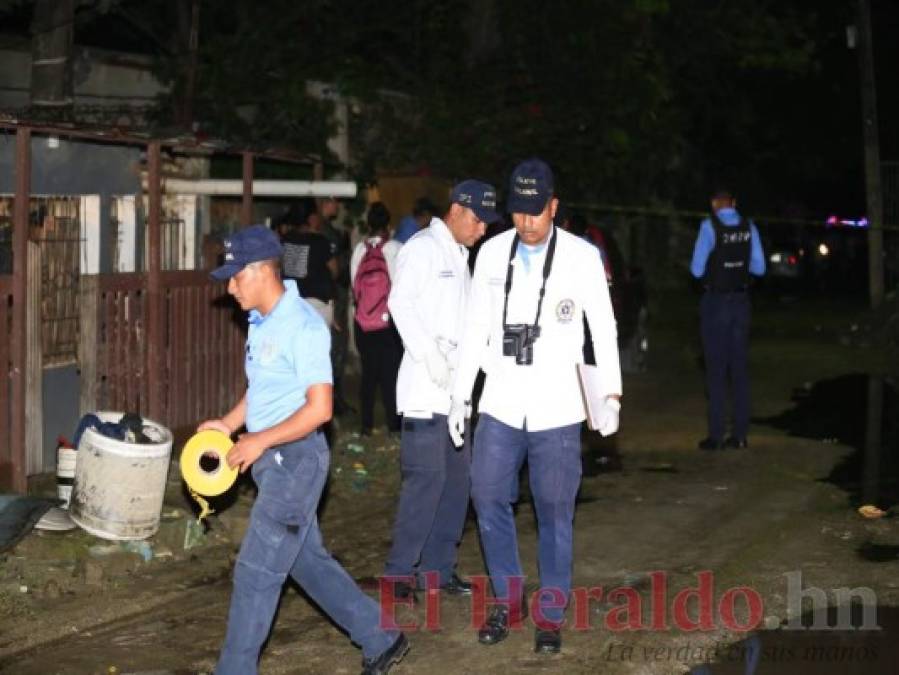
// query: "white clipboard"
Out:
[591,391]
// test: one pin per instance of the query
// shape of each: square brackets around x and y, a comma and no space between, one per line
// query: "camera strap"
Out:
[547,266]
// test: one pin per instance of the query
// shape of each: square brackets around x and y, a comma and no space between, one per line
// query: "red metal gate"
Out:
[204,335]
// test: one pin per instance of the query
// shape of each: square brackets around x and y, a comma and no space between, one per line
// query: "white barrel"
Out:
[66,459]
[119,486]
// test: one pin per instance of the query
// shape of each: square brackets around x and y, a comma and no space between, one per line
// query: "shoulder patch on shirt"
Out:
[565,310]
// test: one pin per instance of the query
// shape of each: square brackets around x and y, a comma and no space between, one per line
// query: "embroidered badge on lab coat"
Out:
[565,310]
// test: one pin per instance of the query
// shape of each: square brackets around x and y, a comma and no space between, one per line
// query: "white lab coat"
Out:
[427,302]
[545,394]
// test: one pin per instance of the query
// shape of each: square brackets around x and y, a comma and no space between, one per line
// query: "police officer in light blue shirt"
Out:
[288,397]
[728,250]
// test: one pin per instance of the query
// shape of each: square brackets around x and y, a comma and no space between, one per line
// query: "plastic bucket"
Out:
[119,486]
[66,461]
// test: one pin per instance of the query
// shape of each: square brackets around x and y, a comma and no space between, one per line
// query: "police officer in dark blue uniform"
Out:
[728,250]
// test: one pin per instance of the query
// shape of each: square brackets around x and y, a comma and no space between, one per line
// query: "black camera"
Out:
[518,341]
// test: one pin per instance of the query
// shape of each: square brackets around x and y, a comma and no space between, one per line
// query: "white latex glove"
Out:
[456,421]
[438,368]
[607,419]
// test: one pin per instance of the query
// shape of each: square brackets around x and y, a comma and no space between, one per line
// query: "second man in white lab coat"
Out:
[428,303]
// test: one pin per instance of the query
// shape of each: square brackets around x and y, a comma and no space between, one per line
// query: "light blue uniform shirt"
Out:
[705,243]
[288,351]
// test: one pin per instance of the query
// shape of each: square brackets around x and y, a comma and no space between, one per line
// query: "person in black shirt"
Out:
[311,260]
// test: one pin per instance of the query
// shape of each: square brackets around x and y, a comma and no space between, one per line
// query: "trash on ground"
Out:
[55,520]
[871,511]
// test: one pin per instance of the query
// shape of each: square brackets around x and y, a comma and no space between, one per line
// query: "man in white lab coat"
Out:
[530,289]
[427,302]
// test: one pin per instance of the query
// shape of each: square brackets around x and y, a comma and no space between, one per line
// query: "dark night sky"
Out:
[821,113]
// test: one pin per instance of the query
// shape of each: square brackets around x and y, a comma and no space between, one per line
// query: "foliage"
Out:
[630,100]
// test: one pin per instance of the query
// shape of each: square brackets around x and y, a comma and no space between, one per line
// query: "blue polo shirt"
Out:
[705,243]
[288,351]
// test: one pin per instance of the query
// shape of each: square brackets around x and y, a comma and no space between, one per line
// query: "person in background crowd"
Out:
[311,261]
[340,243]
[421,215]
[372,268]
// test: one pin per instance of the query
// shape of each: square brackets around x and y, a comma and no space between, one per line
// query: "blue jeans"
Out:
[433,500]
[725,341]
[283,538]
[554,469]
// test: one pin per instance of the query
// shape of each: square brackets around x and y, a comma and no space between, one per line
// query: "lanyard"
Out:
[547,266]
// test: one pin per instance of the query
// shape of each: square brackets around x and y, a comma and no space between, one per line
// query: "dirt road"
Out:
[650,506]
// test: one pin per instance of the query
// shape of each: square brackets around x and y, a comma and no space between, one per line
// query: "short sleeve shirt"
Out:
[305,260]
[288,351]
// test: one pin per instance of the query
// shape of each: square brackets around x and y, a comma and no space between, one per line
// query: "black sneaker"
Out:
[381,665]
[548,641]
[710,444]
[733,443]
[456,586]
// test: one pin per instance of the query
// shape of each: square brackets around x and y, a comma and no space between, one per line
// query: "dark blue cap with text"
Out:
[477,196]
[251,244]
[530,187]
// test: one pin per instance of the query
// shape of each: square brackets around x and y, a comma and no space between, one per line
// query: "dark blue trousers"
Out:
[433,500]
[283,539]
[554,471]
[725,341]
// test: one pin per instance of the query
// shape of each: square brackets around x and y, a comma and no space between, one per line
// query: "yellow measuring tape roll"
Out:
[214,446]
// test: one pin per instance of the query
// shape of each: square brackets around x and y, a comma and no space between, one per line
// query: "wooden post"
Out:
[19,287]
[89,336]
[34,369]
[246,210]
[872,156]
[155,372]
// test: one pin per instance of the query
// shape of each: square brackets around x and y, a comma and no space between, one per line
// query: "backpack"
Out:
[371,288]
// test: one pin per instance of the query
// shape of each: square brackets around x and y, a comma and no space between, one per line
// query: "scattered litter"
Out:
[194,534]
[142,549]
[359,468]
[721,488]
[55,520]
[355,448]
[871,511]
[23,589]
[845,536]
[359,485]
[338,470]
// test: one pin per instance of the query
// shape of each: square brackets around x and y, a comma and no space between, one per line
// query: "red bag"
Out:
[371,287]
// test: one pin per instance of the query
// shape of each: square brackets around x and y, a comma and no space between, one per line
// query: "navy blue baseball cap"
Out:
[530,187]
[477,196]
[249,245]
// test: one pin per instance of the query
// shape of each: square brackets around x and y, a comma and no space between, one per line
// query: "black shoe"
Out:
[496,627]
[734,443]
[456,586]
[711,444]
[381,665]
[548,641]
[403,590]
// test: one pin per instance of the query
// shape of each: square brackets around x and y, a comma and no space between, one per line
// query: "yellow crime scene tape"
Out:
[216,476]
